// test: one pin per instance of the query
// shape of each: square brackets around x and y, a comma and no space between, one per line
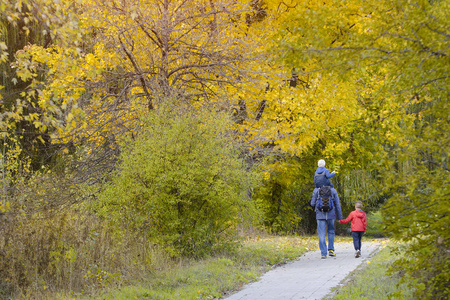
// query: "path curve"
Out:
[309,276]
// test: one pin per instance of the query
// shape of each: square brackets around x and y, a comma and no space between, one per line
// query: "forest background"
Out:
[130,126]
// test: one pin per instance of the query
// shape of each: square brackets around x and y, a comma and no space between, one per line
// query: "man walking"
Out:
[325,201]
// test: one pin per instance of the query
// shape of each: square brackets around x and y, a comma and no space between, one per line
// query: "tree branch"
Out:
[138,71]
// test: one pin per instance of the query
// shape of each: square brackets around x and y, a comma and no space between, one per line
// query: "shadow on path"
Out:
[309,276]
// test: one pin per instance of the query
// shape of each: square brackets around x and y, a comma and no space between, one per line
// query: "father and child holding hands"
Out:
[325,201]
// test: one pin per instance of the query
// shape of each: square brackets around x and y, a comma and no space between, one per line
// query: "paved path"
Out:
[308,277]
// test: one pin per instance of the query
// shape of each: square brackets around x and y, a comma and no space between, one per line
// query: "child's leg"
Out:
[357,235]
[360,238]
[356,240]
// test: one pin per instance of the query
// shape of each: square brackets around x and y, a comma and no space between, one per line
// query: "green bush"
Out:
[375,225]
[181,182]
[284,195]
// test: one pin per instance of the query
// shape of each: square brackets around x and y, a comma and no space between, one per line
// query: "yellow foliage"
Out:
[4,207]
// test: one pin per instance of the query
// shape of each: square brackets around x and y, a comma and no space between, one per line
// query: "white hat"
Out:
[321,163]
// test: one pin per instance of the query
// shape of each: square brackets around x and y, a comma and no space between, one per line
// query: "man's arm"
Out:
[337,204]
[314,197]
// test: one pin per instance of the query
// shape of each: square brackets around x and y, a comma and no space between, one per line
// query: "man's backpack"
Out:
[325,202]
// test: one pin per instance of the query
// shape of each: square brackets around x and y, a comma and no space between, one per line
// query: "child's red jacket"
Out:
[358,219]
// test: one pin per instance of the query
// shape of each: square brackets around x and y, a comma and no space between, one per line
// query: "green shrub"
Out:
[181,182]
[375,225]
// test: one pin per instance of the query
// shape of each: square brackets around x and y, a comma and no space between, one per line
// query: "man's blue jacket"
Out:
[336,213]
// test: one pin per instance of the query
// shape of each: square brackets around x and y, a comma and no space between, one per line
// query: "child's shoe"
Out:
[331,253]
[358,253]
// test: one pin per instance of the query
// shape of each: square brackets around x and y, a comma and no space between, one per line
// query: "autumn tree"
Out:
[394,55]
[137,52]
[104,63]
[105,66]
[124,57]
[299,116]
[25,143]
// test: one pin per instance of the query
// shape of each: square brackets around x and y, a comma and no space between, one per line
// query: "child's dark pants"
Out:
[357,235]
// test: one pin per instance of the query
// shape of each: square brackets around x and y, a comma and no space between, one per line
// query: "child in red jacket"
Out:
[358,226]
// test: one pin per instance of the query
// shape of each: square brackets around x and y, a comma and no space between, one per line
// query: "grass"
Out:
[214,277]
[373,281]
[219,276]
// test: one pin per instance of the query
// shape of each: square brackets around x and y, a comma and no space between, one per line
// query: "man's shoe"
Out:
[331,253]
[324,257]
[358,253]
